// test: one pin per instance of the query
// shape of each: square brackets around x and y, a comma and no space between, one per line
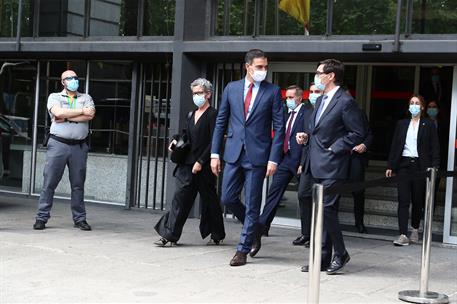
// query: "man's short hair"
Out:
[252,54]
[298,90]
[336,67]
[202,82]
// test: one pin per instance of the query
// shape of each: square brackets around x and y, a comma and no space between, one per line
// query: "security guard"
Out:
[70,112]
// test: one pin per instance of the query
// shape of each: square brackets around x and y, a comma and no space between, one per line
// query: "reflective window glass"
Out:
[237,17]
[61,18]
[113,18]
[434,17]
[9,16]
[159,17]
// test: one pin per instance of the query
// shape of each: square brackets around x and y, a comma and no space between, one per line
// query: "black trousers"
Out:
[410,192]
[357,174]
[187,186]
[305,202]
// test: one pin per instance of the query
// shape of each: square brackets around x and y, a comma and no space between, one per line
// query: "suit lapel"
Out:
[316,108]
[297,118]
[420,131]
[330,106]
[257,99]
[239,91]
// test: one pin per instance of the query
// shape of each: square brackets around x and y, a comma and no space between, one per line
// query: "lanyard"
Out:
[72,102]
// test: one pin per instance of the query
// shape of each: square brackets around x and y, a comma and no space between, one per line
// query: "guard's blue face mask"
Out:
[72,83]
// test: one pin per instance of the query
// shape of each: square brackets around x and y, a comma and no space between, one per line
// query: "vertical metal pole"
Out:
[329,18]
[35,131]
[397,28]
[315,249]
[409,17]
[18,28]
[423,295]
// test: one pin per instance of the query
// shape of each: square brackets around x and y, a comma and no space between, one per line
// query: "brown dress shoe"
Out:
[239,259]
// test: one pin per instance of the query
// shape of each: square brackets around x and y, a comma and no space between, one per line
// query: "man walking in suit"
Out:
[335,128]
[287,169]
[249,109]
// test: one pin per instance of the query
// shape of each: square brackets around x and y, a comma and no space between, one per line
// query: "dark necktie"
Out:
[289,127]
[247,100]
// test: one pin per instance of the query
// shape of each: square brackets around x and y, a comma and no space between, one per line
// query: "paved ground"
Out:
[117,263]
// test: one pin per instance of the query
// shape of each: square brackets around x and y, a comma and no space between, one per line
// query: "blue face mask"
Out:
[199,100]
[72,85]
[290,102]
[317,82]
[313,98]
[432,112]
[414,109]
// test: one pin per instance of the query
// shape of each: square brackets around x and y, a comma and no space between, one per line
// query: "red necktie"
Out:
[289,127]
[247,100]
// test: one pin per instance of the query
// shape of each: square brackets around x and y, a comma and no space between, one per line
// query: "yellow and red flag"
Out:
[299,9]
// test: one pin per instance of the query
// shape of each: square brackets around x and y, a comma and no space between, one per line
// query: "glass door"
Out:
[450,213]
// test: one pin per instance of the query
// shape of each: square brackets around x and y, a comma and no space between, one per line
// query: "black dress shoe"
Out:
[215,242]
[256,246]
[361,228]
[306,268]
[39,225]
[239,259]
[83,225]
[338,263]
[301,241]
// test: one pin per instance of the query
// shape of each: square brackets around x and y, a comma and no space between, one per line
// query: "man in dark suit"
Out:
[287,169]
[250,108]
[335,128]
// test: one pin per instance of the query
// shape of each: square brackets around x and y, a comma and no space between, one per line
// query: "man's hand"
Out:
[271,169]
[300,170]
[360,148]
[301,138]
[216,166]
[173,143]
[196,168]
[90,111]
[389,173]
[58,120]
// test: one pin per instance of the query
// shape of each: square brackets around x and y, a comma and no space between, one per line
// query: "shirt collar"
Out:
[331,93]
[247,83]
[297,109]
[64,93]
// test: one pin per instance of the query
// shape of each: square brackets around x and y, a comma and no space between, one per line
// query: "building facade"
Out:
[137,58]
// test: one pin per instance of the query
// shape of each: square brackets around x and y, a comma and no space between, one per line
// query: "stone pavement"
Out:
[118,263]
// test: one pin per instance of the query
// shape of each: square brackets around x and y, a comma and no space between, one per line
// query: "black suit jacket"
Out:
[340,128]
[200,136]
[428,146]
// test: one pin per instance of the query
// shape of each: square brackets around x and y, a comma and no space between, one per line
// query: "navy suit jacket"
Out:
[291,160]
[340,128]
[255,132]
[428,145]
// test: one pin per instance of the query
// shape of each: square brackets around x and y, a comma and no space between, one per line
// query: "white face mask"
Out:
[259,75]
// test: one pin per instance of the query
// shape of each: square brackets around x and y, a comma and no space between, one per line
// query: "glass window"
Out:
[61,18]
[364,17]
[159,17]
[9,15]
[238,18]
[113,18]
[434,17]
[17,84]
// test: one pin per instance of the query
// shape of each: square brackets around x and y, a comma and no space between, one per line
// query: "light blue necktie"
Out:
[321,107]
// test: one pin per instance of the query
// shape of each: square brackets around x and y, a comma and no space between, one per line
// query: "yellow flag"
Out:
[299,9]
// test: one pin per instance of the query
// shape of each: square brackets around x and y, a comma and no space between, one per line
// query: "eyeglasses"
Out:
[315,91]
[71,78]
[198,93]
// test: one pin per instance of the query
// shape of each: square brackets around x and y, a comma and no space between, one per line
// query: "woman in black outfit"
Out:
[415,147]
[195,176]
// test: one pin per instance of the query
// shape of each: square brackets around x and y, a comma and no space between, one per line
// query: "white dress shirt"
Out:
[296,110]
[327,101]
[410,149]
[255,90]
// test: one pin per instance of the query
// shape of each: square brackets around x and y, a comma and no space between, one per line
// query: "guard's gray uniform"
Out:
[69,154]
